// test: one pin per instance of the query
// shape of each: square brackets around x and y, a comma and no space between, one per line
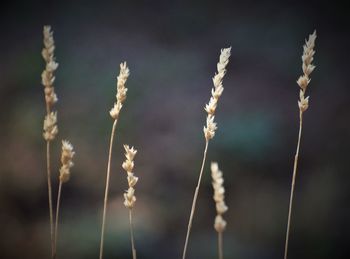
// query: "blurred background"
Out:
[172,50]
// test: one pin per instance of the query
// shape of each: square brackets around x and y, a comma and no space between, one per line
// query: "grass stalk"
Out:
[220,246]
[57,214]
[107,187]
[49,188]
[296,157]
[132,235]
[194,202]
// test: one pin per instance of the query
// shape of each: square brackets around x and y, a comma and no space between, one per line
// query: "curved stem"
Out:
[220,249]
[49,188]
[293,184]
[195,200]
[132,235]
[107,187]
[57,213]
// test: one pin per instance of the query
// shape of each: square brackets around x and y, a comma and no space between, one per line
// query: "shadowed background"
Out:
[172,50]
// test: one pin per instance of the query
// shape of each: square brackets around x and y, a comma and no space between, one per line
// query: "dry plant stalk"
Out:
[221,208]
[67,162]
[303,103]
[50,121]
[209,129]
[114,112]
[129,195]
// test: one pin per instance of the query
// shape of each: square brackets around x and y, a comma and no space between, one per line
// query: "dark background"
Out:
[172,50]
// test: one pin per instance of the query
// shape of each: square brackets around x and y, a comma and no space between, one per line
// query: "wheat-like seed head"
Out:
[50,126]
[308,67]
[66,160]
[121,90]
[47,76]
[209,129]
[219,197]
[128,166]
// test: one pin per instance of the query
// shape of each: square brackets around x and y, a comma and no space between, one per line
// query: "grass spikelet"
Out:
[114,112]
[129,195]
[209,129]
[221,208]
[303,103]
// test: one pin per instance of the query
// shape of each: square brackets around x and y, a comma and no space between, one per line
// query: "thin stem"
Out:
[195,200]
[220,249]
[49,188]
[293,184]
[132,235]
[107,187]
[57,213]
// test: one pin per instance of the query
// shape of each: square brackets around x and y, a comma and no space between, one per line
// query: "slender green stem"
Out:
[107,187]
[57,214]
[49,188]
[132,235]
[293,184]
[220,245]
[195,200]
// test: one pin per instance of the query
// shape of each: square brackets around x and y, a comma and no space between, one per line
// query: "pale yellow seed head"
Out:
[128,166]
[308,68]
[219,196]
[216,92]
[121,90]
[67,155]
[47,76]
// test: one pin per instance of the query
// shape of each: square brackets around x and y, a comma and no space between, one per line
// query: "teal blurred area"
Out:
[172,49]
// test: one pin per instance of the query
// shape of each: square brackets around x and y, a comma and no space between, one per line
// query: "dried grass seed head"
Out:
[210,108]
[47,76]
[121,90]
[219,196]
[67,155]
[128,166]
[308,67]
